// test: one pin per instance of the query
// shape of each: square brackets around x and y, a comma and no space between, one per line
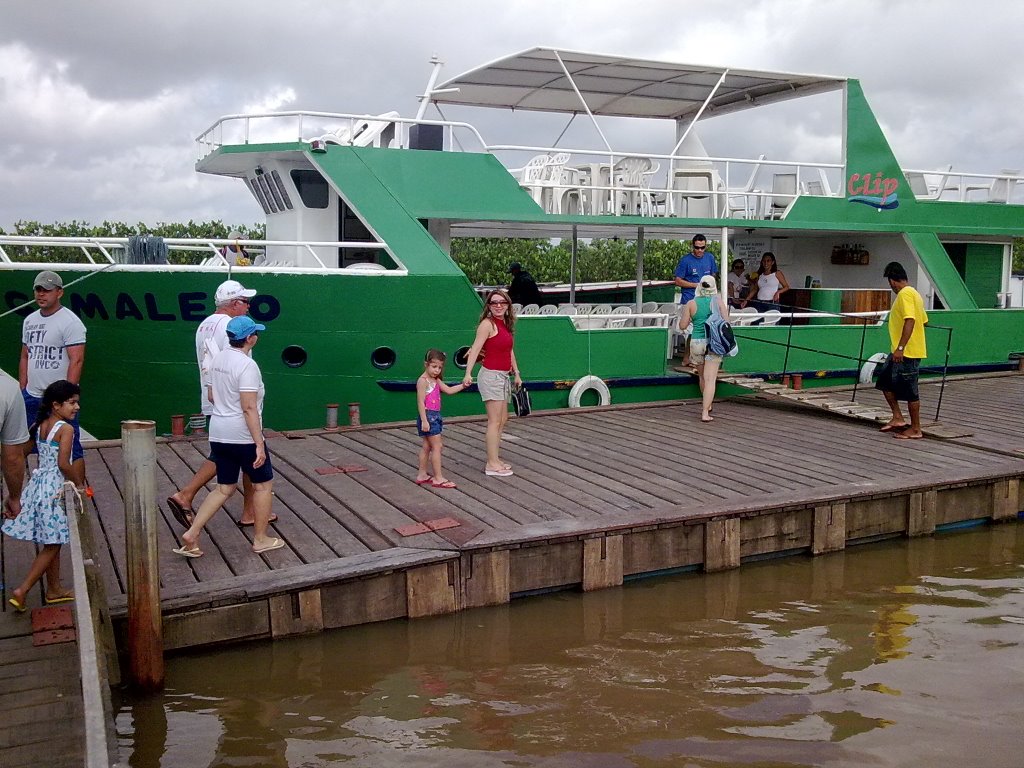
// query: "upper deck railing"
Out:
[185,254]
[604,182]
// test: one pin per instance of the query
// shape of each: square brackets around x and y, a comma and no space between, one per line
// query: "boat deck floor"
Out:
[597,468]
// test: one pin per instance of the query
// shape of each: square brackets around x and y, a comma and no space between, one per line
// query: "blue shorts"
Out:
[232,458]
[900,378]
[434,424]
[32,404]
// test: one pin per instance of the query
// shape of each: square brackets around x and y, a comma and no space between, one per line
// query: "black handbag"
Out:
[521,400]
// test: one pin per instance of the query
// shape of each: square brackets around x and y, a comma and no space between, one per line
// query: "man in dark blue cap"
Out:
[523,288]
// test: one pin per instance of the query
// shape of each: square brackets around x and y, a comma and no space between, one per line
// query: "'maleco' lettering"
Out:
[188,306]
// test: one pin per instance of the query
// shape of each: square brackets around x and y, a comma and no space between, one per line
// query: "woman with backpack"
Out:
[697,310]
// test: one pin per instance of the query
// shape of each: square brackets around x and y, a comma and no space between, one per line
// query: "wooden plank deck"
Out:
[760,475]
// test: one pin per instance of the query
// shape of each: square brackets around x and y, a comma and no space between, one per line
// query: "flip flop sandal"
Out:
[181,514]
[274,544]
[188,552]
[240,524]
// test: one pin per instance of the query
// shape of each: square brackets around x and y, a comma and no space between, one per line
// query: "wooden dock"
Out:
[600,495]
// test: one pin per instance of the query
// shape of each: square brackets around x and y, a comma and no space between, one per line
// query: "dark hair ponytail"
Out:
[58,392]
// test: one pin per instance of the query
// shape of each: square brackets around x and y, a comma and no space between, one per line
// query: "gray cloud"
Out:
[100,109]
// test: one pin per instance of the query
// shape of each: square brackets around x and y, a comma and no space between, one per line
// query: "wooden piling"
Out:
[145,631]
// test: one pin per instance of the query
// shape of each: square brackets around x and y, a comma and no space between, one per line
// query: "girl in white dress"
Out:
[42,518]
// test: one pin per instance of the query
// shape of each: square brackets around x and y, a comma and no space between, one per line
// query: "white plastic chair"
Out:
[922,189]
[566,309]
[618,319]
[771,317]
[533,175]
[548,309]
[601,309]
[999,189]
[584,309]
[631,196]
[745,316]
[531,309]
[743,200]
[517,308]
[783,194]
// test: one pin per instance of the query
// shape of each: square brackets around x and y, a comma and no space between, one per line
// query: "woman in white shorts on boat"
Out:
[494,341]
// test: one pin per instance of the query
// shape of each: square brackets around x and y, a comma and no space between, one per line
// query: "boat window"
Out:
[272,191]
[312,188]
[261,180]
[460,357]
[258,194]
[276,178]
[294,356]
[382,357]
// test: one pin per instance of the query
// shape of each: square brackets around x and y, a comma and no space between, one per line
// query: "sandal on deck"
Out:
[188,551]
[181,513]
[274,544]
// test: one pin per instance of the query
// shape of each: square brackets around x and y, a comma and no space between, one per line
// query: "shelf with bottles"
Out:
[850,254]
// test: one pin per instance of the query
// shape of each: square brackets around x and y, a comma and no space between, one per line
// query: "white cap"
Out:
[230,290]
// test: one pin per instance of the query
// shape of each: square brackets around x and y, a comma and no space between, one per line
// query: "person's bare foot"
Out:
[893,426]
[909,434]
[192,542]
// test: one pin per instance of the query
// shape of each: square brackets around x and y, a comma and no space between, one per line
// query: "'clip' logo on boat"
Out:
[873,190]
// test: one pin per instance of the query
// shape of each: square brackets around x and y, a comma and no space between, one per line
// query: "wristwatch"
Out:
[899,348]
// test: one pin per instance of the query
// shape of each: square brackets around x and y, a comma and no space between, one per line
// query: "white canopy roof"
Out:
[624,87]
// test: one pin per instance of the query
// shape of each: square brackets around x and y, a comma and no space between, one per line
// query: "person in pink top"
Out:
[494,339]
[429,424]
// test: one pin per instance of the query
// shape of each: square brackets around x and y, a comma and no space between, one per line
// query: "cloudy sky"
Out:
[101,100]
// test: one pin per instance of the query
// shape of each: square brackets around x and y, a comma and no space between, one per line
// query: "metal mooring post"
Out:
[145,630]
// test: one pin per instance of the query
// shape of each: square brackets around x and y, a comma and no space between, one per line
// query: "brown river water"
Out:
[899,653]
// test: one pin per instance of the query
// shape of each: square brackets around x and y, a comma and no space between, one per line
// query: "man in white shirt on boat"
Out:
[13,443]
[738,283]
[52,349]
[232,300]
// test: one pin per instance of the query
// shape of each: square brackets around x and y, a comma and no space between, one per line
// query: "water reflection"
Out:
[904,653]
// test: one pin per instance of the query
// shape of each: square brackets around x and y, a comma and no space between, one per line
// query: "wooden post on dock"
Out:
[145,630]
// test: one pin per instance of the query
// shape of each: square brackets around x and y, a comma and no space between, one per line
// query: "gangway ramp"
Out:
[825,401]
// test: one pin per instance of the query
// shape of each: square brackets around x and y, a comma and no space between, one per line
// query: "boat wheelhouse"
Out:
[356,281]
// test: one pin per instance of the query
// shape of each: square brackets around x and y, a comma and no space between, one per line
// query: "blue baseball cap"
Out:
[240,328]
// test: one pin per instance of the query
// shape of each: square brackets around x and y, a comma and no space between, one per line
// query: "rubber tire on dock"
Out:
[867,371]
[587,383]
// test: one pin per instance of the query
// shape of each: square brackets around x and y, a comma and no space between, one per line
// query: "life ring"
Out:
[867,371]
[586,383]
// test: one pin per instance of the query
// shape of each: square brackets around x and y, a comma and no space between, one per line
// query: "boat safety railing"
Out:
[599,182]
[864,365]
[182,253]
[1005,187]
[389,129]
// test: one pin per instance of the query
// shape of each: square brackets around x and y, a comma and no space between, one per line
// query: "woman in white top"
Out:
[236,437]
[770,285]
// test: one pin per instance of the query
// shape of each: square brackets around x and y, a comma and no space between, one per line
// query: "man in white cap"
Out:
[232,300]
[52,349]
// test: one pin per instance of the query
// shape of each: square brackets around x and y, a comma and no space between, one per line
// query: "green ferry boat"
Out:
[355,280]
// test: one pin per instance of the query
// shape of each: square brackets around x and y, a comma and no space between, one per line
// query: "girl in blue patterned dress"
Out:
[42,517]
